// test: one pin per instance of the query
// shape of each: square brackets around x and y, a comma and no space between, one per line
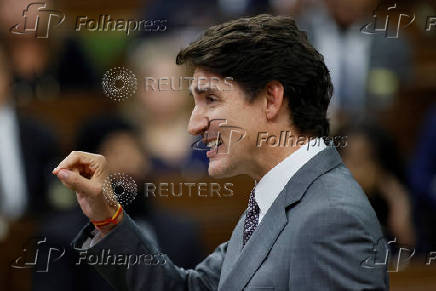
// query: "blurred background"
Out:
[52,102]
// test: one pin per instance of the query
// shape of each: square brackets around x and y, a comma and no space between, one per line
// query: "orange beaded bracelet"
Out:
[113,220]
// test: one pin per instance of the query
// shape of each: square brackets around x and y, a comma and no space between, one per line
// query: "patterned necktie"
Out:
[251,218]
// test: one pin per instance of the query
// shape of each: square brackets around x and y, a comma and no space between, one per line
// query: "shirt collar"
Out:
[273,182]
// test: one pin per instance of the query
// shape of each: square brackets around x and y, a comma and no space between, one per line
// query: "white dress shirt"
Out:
[270,186]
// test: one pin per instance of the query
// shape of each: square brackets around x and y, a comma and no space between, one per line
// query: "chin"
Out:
[220,168]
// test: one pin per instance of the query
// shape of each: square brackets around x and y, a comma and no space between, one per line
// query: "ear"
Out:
[274,97]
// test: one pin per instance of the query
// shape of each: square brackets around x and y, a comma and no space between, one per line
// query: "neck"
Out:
[271,157]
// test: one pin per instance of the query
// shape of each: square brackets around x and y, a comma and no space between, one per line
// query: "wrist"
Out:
[106,225]
[108,228]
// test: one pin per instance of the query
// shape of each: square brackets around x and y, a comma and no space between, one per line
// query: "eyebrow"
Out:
[205,90]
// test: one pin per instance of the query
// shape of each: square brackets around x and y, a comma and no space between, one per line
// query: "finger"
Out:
[77,158]
[76,182]
[72,159]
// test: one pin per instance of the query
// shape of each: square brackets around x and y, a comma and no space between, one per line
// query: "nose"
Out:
[198,123]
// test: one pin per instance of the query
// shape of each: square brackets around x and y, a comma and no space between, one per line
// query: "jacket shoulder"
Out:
[338,192]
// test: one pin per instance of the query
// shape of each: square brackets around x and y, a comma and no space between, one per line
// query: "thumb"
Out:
[76,182]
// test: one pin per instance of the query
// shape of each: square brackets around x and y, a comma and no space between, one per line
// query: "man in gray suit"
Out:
[308,225]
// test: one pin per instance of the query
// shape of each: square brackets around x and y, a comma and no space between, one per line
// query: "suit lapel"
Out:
[323,162]
[256,249]
[233,249]
[242,265]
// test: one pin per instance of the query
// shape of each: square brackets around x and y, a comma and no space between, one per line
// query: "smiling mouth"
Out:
[214,143]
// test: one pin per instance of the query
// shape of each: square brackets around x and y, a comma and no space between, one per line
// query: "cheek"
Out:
[243,143]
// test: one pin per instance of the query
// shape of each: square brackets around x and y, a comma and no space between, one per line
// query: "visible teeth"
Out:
[212,144]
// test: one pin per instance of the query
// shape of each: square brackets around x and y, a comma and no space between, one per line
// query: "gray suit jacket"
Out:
[320,234]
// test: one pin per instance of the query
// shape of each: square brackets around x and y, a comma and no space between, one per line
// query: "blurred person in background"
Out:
[372,157]
[176,235]
[117,139]
[422,176]
[42,68]
[196,14]
[162,107]
[292,7]
[366,70]
[180,15]
[27,151]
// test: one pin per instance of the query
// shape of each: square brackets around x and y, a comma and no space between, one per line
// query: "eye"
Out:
[210,98]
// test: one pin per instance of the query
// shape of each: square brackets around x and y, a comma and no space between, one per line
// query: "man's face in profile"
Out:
[228,123]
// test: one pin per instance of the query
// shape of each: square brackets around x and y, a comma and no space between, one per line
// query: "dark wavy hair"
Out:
[257,50]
